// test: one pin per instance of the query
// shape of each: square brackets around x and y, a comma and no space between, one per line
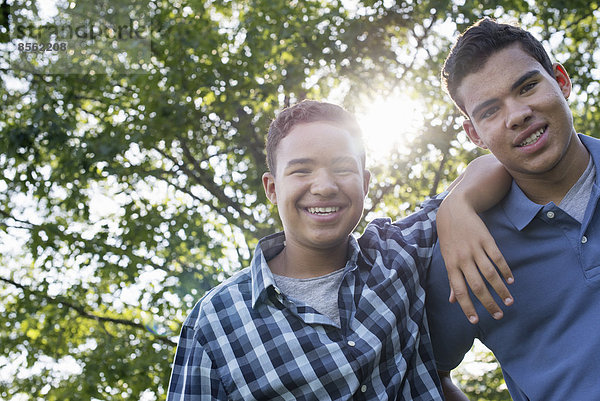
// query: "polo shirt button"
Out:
[363,388]
[583,239]
[550,215]
[351,343]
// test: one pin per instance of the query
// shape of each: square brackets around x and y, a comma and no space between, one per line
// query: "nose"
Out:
[324,184]
[518,113]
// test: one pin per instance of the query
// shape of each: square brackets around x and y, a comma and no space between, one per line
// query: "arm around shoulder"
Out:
[469,251]
[483,184]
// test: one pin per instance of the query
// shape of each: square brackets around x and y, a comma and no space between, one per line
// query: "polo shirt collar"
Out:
[593,147]
[269,247]
[520,210]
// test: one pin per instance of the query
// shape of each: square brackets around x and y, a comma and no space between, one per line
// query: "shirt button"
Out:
[363,388]
[583,239]
[550,215]
[351,343]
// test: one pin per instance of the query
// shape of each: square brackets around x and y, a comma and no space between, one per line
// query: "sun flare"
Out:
[389,125]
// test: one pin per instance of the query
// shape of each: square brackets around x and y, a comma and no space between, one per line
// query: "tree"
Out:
[126,194]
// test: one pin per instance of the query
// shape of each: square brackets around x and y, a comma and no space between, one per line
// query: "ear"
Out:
[366,181]
[564,82]
[472,134]
[268,181]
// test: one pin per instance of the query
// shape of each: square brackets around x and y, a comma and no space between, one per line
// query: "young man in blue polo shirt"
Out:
[319,314]
[547,227]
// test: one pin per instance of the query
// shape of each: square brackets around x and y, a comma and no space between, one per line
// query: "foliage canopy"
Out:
[125,196]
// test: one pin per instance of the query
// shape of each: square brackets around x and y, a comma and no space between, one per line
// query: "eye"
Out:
[527,87]
[488,112]
[300,171]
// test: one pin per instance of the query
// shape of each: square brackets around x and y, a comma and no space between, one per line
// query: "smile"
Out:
[323,210]
[533,137]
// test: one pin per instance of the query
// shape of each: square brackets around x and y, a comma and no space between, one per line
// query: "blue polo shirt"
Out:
[548,342]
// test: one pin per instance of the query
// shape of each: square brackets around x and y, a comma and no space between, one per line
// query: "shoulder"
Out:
[416,229]
[397,246]
[593,146]
[419,221]
[377,228]
[589,140]
[380,234]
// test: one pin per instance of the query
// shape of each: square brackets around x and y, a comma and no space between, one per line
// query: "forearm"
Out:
[483,184]
[450,390]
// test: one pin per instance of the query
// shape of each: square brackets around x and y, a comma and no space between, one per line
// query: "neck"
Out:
[298,262]
[553,185]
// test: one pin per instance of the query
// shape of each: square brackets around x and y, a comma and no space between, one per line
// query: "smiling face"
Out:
[519,112]
[319,187]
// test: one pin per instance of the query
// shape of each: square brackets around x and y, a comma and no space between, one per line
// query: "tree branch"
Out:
[59,300]
[209,186]
[576,22]
[25,223]
[439,173]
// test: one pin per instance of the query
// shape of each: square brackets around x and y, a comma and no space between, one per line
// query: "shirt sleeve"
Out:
[193,376]
[451,333]
[406,243]
[422,222]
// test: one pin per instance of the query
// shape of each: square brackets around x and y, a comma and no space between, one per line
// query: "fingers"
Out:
[494,254]
[460,294]
[473,273]
[490,273]
[473,261]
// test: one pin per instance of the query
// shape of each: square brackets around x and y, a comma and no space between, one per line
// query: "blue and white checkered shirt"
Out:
[246,341]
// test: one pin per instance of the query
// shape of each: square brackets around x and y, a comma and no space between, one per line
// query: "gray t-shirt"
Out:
[575,201]
[321,293]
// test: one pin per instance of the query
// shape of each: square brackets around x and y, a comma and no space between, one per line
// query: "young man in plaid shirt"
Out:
[319,314]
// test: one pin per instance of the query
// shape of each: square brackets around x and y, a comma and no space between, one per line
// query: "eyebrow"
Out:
[294,162]
[307,160]
[523,78]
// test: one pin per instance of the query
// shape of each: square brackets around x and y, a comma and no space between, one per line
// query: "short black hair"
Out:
[478,43]
[309,111]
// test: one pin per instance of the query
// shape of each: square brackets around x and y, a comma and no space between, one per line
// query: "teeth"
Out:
[534,137]
[323,210]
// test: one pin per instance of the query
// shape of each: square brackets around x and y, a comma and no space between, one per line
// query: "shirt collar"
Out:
[593,147]
[262,278]
[267,248]
[521,210]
